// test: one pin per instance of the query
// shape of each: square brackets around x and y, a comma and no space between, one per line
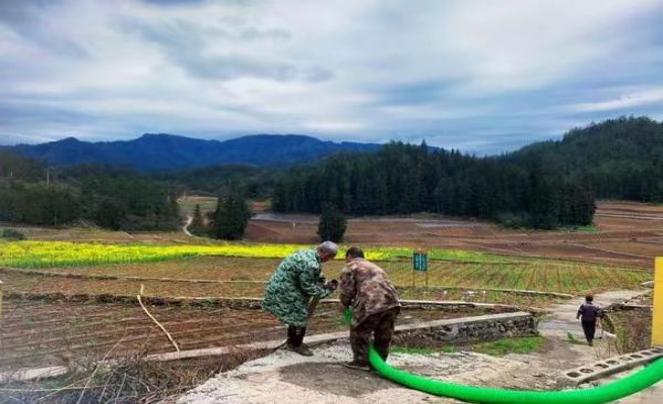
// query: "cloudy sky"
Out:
[481,76]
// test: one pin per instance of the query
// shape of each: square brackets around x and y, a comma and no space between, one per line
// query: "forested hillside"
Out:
[621,158]
[253,182]
[544,185]
[31,193]
[406,179]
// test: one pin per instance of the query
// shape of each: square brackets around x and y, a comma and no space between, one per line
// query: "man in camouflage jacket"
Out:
[296,280]
[374,301]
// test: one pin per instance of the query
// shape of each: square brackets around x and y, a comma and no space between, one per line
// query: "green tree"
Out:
[544,201]
[332,224]
[110,214]
[231,217]
[197,223]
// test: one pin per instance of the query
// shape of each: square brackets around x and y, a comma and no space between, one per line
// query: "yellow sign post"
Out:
[657,314]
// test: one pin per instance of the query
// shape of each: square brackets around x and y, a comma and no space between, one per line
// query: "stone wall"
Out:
[246,303]
[470,329]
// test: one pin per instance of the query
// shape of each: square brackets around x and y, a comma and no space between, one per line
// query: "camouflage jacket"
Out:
[365,288]
[294,282]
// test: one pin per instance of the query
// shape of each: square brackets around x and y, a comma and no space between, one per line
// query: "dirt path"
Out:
[185,228]
[287,377]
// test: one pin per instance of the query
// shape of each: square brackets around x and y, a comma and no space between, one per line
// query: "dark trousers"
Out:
[589,327]
[296,335]
[381,326]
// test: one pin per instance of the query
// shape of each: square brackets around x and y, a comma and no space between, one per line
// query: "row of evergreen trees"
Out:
[230,218]
[38,203]
[227,222]
[30,193]
[232,214]
[402,179]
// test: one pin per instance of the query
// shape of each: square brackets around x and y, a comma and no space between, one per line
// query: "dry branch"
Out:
[140,301]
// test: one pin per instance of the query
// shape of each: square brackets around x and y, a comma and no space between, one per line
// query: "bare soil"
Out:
[625,233]
[39,333]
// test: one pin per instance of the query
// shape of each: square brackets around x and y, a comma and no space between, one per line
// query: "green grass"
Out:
[501,347]
[448,349]
[529,274]
[447,280]
[505,346]
[571,339]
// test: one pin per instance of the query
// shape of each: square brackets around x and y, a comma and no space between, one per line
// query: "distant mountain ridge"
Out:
[152,152]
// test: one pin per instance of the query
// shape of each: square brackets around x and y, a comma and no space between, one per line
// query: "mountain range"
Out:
[152,152]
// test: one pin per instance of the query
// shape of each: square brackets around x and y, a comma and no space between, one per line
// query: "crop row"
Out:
[43,254]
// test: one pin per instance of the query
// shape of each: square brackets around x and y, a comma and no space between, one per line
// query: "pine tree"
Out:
[544,201]
[197,223]
[231,217]
[332,224]
[110,214]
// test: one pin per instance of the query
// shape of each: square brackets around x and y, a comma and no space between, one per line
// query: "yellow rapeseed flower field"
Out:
[40,254]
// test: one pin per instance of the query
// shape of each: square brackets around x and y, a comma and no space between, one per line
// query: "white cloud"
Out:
[635,99]
[344,69]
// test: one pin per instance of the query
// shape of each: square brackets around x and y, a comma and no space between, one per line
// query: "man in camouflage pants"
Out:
[374,301]
[296,280]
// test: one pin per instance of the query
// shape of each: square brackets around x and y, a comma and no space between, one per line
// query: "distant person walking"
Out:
[296,280]
[588,313]
[374,301]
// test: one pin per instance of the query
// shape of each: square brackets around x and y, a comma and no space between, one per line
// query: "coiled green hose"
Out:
[628,385]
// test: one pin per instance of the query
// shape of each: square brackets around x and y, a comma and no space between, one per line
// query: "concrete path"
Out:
[562,319]
[285,377]
[289,378]
[561,322]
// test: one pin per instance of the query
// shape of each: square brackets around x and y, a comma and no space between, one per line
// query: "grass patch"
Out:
[470,278]
[571,339]
[505,346]
[501,347]
[448,349]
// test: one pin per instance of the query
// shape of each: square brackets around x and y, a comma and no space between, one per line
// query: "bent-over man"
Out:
[374,301]
[295,281]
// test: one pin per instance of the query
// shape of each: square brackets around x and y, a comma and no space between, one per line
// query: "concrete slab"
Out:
[616,364]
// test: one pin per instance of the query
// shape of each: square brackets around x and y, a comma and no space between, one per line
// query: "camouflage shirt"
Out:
[364,287]
[294,282]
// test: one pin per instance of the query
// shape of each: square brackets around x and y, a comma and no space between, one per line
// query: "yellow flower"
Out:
[34,254]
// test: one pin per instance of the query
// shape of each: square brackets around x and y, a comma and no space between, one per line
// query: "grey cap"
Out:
[328,247]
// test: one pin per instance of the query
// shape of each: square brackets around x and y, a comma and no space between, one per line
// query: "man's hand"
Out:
[332,285]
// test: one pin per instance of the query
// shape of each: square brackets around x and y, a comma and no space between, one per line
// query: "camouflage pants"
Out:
[381,325]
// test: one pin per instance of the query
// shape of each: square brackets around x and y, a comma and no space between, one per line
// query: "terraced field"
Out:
[232,276]
[49,333]
[53,330]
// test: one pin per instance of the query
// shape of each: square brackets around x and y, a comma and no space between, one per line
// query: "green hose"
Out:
[607,392]
[601,394]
